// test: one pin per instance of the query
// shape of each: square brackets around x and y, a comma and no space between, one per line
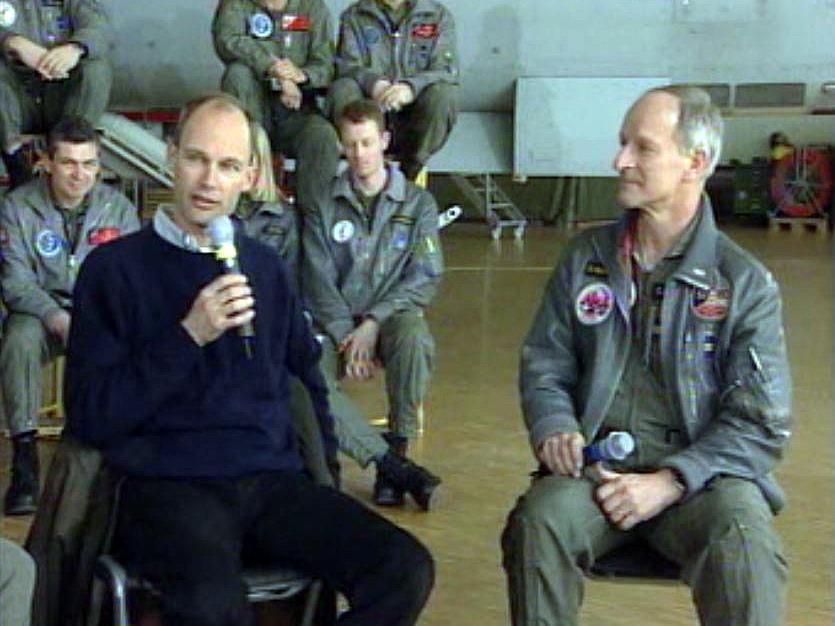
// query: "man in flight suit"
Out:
[402,54]
[372,263]
[277,54]
[662,326]
[53,66]
[48,227]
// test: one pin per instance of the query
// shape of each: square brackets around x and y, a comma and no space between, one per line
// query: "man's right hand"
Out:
[562,453]
[224,303]
[58,325]
[380,88]
[28,52]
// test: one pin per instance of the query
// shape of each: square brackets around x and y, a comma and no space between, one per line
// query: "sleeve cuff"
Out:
[339,329]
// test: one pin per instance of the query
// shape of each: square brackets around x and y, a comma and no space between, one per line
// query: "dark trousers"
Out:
[191,539]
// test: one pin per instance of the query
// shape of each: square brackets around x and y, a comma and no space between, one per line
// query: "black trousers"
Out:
[192,538]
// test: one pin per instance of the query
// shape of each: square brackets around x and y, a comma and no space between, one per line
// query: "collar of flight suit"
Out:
[375,8]
[41,201]
[395,188]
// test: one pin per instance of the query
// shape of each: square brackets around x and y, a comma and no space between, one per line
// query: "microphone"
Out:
[616,446]
[222,235]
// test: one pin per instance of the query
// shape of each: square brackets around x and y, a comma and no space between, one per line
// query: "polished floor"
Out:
[476,441]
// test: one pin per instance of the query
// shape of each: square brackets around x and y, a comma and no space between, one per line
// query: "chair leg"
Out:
[310,603]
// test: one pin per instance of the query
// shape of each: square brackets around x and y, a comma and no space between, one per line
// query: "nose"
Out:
[623,158]
[209,175]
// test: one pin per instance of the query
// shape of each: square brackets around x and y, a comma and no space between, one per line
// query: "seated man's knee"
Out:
[239,78]
[96,71]
[438,99]
[408,331]
[410,567]
[320,135]
[342,91]
[210,602]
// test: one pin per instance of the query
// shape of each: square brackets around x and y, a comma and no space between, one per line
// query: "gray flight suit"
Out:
[276,226]
[718,355]
[420,51]
[386,265]
[27,102]
[17,584]
[39,267]
[249,39]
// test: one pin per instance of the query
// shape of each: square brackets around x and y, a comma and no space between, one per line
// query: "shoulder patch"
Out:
[8,14]
[594,304]
[260,25]
[711,304]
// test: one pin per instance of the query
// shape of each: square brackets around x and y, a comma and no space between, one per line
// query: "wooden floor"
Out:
[476,441]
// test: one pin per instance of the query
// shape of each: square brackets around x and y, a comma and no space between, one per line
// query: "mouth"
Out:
[204,203]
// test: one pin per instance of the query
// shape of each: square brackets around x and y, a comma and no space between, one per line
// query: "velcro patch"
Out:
[596,269]
[403,219]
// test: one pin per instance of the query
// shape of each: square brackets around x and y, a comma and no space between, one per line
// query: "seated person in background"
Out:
[277,53]
[54,65]
[662,326]
[159,380]
[402,54]
[48,228]
[264,217]
[372,262]
[17,584]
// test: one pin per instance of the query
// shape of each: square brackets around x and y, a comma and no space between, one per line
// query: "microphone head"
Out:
[220,231]
[619,445]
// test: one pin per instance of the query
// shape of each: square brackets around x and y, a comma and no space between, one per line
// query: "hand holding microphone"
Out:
[227,301]
[566,453]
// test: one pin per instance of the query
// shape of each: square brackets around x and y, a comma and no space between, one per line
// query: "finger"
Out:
[575,451]
[564,454]
[244,317]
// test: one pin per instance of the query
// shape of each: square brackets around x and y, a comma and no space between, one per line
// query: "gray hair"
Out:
[699,127]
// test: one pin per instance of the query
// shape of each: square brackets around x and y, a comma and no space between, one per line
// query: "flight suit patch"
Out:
[274,230]
[594,304]
[290,21]
[403,219]
[98,236]
[596,269]
[47,243]
[8,14]
[342,231]
[260,25]
[425,31]
[711,304]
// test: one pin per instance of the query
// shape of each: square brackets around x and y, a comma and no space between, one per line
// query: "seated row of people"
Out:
[51,224]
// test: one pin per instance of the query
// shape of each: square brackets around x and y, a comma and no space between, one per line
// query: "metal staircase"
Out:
[498,209]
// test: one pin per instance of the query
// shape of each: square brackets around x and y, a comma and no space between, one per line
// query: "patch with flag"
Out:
[291,21]
[711,304]
[98,236]
[425,31]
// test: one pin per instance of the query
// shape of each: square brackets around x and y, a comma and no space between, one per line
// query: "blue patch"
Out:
[48,243]
[371,36]
[63,23]
[400,239]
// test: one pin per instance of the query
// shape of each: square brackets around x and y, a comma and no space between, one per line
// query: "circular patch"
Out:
[260,25]
[342,231]
[594,303]
[48,243]
[371,36]
[711,304]
[8,14]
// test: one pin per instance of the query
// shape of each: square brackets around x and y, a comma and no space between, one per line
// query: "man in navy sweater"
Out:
[158,380]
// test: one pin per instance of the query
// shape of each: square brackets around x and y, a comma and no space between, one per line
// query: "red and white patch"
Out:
[711,304]
[425,31]
[594,304]
[289,21]
[98,236]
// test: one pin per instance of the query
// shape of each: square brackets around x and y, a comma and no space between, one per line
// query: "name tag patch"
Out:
[289,21]
[594,304]
[425,31]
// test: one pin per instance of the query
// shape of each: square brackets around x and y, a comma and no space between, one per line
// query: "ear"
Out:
[697,164]
[385,139]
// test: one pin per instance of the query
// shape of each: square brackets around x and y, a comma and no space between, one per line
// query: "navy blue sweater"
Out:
[156,403]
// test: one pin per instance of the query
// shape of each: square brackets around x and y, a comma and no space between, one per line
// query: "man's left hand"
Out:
[359,347]
[628,499]
[57,63]
[285,69]
[397,96]
[291,95]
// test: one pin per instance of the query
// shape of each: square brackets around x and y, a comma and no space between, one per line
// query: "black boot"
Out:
[22,496]
[396,474]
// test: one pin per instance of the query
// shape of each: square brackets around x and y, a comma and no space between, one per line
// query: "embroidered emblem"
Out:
[47,243]
[98,236]
[400,239]
[8,14]
[594,304]
[260,25]
[425,31]
[342,231]
[711,304]
[290,21]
